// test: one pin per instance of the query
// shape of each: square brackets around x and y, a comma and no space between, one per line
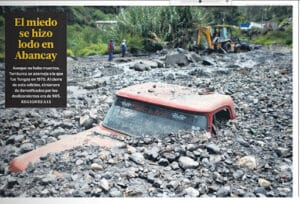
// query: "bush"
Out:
[70,52]
[93,49]
[152,45]
[2,56]
[134,43]
[83,40]
[2,38]
[279,37]
[2,21]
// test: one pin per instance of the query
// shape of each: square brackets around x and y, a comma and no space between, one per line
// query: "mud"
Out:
[260,82]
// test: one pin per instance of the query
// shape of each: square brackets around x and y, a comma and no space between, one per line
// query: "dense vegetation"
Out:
[151,28]
[2,40]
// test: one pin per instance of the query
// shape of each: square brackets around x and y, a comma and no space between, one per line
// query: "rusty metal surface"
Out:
[168,95]
[174,96]
[88,137]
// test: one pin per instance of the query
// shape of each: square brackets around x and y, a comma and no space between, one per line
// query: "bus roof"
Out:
[178,97]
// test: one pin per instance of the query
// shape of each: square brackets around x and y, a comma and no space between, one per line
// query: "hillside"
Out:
[151,28]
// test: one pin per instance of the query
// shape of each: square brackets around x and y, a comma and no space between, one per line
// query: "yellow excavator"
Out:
[219,38]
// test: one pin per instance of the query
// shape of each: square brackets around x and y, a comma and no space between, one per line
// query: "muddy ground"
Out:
[250,156]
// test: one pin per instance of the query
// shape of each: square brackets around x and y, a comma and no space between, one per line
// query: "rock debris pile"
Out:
[249,157]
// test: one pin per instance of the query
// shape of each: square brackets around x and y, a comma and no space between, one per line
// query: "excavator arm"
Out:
[206,32]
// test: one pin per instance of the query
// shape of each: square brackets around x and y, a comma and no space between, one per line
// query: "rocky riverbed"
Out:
[249,157]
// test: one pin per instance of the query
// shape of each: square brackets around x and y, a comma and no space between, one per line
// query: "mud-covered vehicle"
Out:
[156,109]
[145,109]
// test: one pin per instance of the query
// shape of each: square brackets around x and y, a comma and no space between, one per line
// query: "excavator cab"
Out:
[222,38]
[224,33]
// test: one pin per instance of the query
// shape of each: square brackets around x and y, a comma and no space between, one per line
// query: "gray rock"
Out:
[94,114]
[26,147]
[170,156]
[260,190]
[170,77]
[212,148]
[68,123]
[86,189]
[86,121]
[133,191]
[140,66]
[238,174]
[264,183]
[163,162]
[163,51]
[19,138]
[173,184]
[191,147]
[138,158]
[157,183]
[223,191]
[96,167]
[45,192]
[249,194]
[213,159]
[122,184]
[151,177]
[78,193]
[47,180]
[179,59]
[96,192]
[202,188]
[16,125]
[68,113]
[131,149]
[270,194]
[15,139]
[151,64]
[191,192]
[213,188]
[284,191]
[283,152]
[200,72]
[208,62]
[248,162]
[181,50]
[160,64]
[174,165]
[240,192]
[2,168]
[152,154]
[187,163]
[79,162]
[107,175]
[196,57]
[109,100]
[242,142]
[114,192]
[104,184]
[11,182]
[51,139]
[58,131]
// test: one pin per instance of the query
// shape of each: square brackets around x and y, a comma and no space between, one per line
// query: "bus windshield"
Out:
[136,118]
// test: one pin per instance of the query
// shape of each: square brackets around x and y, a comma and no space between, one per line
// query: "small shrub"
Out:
[279,37]
[134,42]
[2,56]
[70,52]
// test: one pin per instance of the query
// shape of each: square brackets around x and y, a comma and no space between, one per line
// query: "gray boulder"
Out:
[179,59]
[187,163]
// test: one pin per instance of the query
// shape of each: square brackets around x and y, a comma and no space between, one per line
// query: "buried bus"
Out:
[144,109]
